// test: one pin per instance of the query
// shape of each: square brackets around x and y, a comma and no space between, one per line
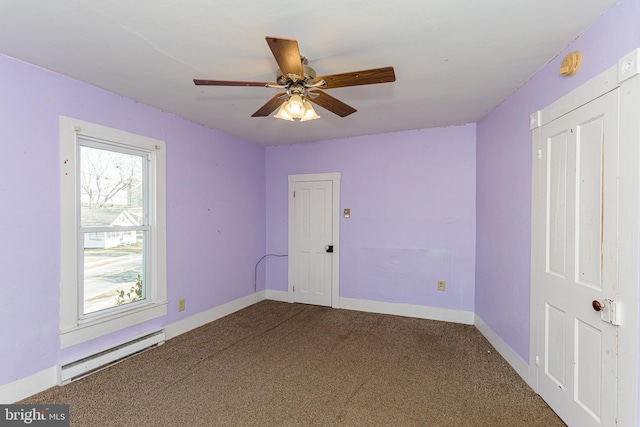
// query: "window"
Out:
[113,230]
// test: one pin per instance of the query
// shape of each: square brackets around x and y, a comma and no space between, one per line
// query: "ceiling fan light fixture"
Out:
[282,112]
[295,106]
[309,113]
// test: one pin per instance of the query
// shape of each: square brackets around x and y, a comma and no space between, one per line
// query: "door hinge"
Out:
[537,360]
[294,194]
[539,154]
[294,288]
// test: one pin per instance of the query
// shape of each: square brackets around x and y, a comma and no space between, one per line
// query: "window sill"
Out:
[98,326]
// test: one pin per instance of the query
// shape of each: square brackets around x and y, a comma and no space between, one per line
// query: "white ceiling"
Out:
[455,60]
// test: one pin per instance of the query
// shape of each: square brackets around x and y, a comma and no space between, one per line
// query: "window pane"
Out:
[111,188]
[113,274]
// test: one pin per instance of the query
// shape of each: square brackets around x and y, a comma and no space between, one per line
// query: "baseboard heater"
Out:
[90,364]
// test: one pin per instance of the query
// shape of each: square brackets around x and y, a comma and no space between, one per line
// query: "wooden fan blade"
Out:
[269,107]
[332,104]
[200,82]
[356,78]
[287,55]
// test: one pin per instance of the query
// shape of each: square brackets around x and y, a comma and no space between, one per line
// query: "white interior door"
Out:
[312,253]
[575,262]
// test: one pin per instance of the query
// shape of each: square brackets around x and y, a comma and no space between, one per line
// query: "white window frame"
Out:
[74,327]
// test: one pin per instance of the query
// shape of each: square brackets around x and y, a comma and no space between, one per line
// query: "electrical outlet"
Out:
[181,304]
[442,285]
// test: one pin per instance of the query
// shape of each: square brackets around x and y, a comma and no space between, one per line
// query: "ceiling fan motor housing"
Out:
[309,74]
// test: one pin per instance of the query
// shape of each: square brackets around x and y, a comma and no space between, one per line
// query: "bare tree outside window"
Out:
[110,179]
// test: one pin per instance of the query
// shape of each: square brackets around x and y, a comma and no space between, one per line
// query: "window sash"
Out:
[145,154]
[82,286]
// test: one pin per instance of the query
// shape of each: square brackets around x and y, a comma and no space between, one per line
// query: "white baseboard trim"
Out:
[516,362]
[25,387]
[202,318]
[282,296]
[408,310]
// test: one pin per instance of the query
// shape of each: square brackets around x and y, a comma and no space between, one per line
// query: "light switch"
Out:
[347,213]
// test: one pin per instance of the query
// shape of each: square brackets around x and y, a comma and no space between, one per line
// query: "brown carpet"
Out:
[279,364]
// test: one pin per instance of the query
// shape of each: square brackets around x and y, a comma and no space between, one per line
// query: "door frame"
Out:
[334,177]
[623,77]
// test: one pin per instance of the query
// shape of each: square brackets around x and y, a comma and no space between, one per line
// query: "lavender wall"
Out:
[412,201]
[504,175]
[215,211]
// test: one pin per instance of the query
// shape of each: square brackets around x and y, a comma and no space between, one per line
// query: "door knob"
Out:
[329,248]
[597,305]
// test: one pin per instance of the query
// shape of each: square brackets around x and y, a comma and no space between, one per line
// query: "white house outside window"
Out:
[113,230]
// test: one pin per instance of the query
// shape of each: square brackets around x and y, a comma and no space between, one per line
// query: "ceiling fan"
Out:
[302,86]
